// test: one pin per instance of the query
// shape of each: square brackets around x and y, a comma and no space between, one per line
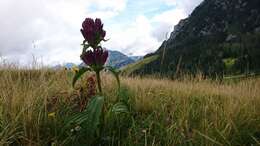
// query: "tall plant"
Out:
[91,120]
[93,54]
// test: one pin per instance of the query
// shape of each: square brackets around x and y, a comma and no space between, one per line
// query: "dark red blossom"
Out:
[93,31]
[96,57]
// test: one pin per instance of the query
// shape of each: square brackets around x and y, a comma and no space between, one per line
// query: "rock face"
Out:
[202,36]
[231,38]
[219,16]
[178,29]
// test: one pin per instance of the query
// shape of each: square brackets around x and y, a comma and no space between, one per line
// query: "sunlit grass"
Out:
[129,69]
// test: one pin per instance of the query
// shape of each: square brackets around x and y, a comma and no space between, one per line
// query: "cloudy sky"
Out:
[50,29]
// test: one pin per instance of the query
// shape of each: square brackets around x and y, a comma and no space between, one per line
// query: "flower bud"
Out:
[93,31]
[97,57]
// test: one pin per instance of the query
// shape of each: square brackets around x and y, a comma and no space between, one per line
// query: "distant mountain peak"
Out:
[117,59]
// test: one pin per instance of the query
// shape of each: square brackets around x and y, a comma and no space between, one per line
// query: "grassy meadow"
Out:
[163,112]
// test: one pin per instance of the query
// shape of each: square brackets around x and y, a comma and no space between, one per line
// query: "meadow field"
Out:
[35,103]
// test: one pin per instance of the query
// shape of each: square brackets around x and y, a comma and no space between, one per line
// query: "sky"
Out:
[49,30]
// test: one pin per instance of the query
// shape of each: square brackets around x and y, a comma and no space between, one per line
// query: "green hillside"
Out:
[132,68]
[215,32]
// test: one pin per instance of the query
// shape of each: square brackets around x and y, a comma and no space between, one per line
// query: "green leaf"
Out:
[116,73]
[120,107]
[89,119]
[79,74]
[85,47]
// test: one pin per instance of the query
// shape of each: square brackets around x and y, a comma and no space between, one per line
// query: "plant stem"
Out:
[99,82]
[101,128]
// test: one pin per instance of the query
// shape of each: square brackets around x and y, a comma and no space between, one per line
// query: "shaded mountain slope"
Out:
[216,33]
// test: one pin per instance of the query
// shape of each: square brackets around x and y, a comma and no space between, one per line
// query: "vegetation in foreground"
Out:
[35,105]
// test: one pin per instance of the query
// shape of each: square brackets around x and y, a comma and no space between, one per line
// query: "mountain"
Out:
[64,66]
[117,59]
[136,58]
[219,37]
[69,65]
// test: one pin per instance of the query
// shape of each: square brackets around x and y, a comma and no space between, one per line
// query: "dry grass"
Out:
[165,112]
[246,91]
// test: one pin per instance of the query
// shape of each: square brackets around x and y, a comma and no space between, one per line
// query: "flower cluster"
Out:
[93,33]
[95,58]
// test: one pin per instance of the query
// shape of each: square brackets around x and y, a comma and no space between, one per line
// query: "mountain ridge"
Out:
[117,59]
[216,31]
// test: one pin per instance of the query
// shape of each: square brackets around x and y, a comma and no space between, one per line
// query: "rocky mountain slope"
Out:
[219,37]
[117,59]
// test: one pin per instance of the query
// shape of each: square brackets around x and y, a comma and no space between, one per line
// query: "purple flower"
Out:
[88,58]
[97,57]
[93,31]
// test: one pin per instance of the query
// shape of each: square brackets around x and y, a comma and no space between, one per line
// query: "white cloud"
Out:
[187,5]
[49,29]
[115,5]
[53,24]
[165,22]
[136,39]
[171,17]
[144,35]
